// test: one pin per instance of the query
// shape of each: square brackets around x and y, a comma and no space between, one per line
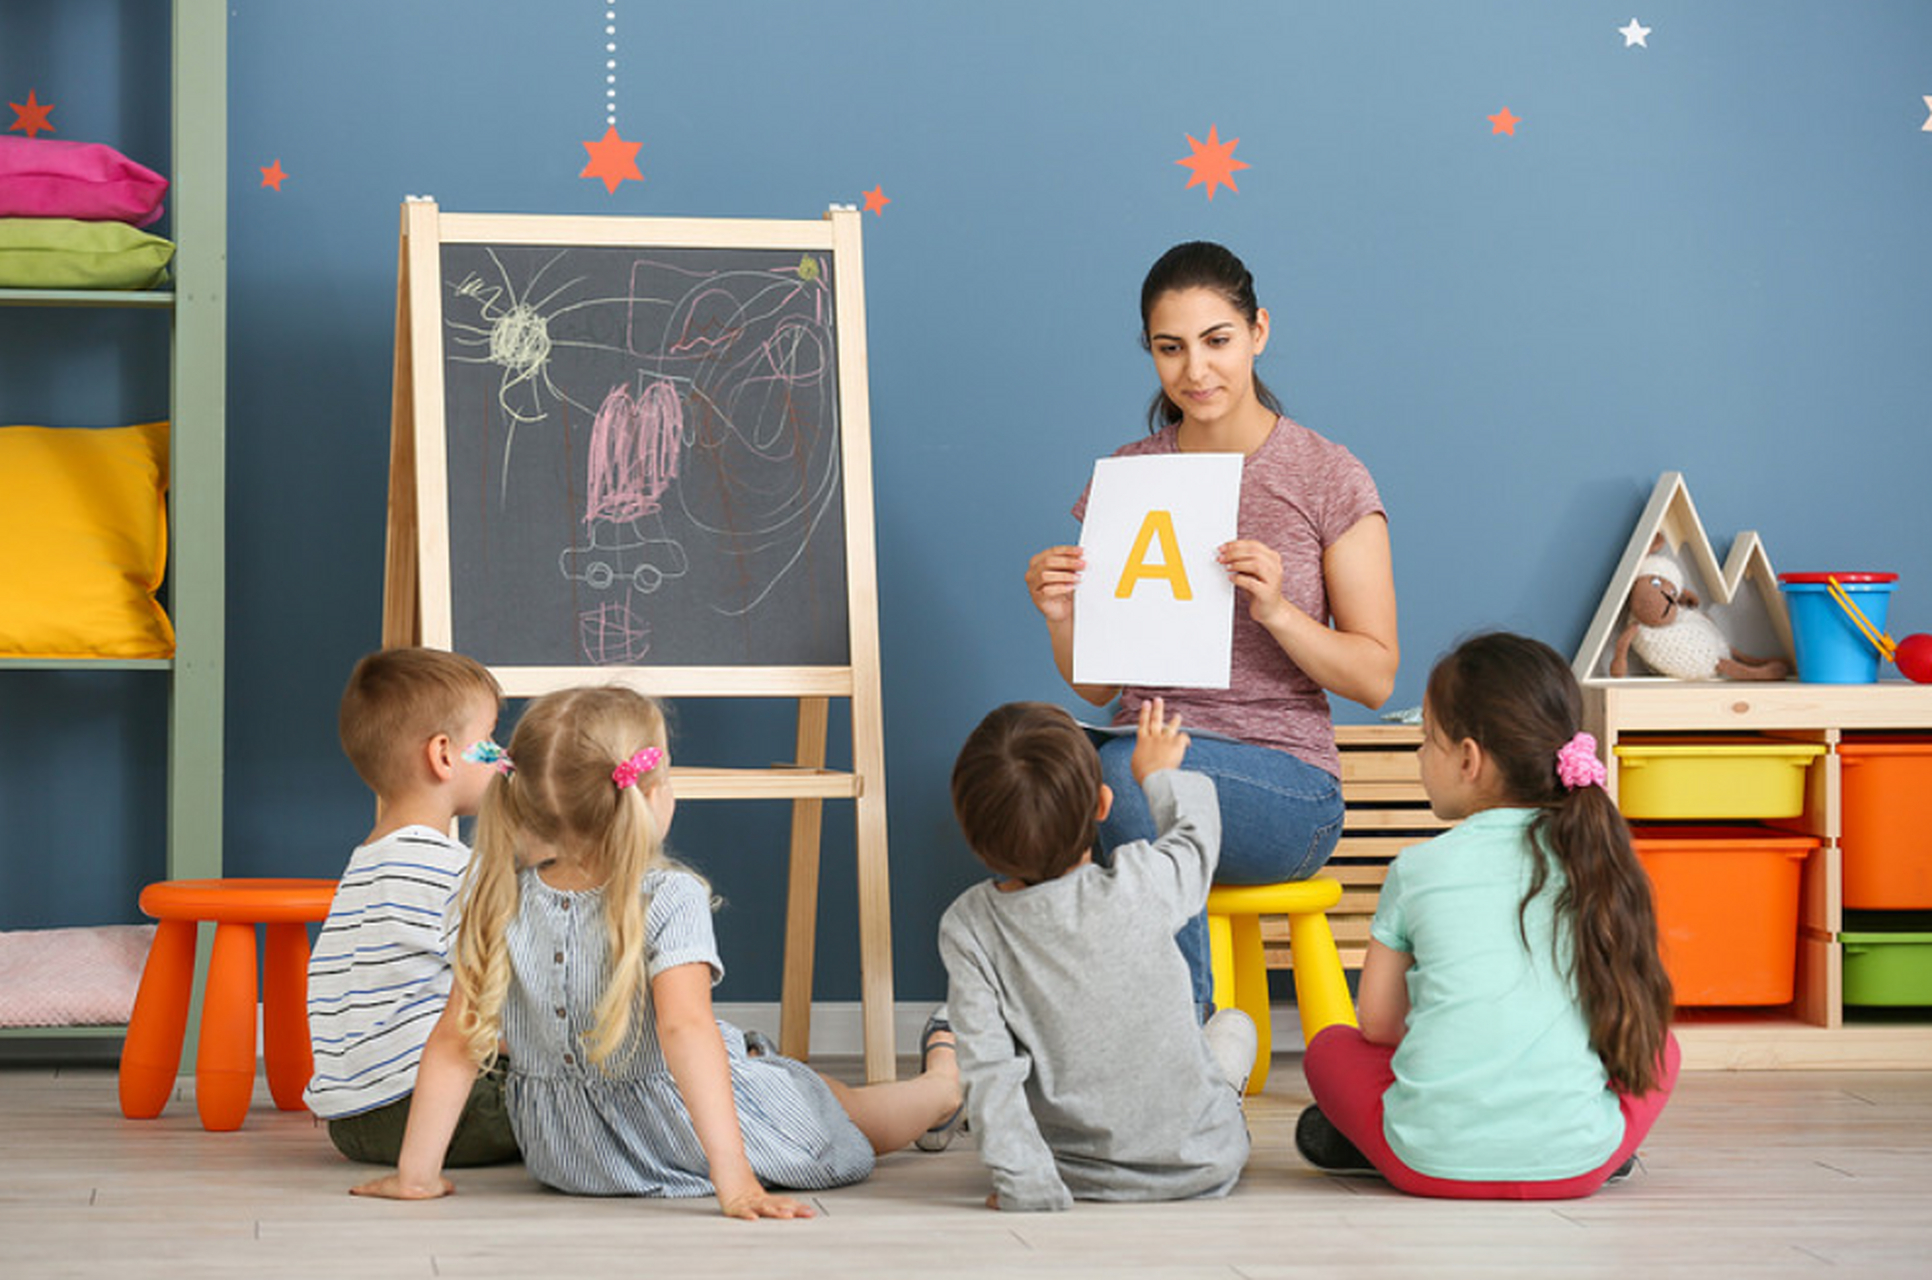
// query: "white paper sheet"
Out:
[1154,606]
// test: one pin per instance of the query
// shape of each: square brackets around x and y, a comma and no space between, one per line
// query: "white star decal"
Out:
[1633,34]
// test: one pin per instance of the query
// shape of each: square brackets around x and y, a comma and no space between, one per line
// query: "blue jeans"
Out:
[1280,819]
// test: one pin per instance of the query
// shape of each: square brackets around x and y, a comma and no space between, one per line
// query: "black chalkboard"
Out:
[643,456]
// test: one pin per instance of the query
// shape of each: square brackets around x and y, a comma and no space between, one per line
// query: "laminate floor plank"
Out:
[1765,1174]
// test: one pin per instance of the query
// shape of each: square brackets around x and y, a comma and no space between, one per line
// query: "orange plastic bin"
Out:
[1727,910]
[225,1061]
[1886,831]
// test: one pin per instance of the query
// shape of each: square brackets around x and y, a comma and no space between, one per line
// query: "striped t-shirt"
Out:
[379,974]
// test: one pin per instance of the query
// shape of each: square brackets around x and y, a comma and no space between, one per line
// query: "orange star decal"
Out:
[1213,162]
[1504,122]
[613,160]
[31,116]
[876,200]
[274,175]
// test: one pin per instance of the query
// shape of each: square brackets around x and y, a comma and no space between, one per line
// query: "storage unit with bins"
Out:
[1846,828]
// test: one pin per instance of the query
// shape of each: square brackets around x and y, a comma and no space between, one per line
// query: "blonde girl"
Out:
[1514,1039]
[587,957]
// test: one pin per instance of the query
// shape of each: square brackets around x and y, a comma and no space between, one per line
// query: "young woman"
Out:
[1314,578]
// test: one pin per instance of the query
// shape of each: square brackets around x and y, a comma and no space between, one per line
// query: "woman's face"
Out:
[1204,351]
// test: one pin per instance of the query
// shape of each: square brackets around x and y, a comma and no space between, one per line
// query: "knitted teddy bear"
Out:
[1669,632]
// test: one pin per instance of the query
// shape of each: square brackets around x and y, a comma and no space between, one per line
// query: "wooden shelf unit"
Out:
[1812,1031]
[197,437]
[1387,811]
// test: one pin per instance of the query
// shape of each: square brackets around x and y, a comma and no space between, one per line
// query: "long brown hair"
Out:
[1517,699]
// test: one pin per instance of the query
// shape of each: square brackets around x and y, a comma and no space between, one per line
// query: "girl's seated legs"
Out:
[1348,1076]
[1280,819]
[893,1114]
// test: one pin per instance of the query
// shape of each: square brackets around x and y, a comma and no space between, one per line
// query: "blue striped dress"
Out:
[627,1132]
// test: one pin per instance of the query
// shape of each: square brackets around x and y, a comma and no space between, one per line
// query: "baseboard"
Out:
[838,1026]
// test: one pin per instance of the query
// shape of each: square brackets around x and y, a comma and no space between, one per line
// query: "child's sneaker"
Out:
[1232,1041]
[1324,1146]
[1622,1173]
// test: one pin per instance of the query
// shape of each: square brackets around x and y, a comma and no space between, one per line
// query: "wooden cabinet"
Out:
[198,202]
[1814,1030]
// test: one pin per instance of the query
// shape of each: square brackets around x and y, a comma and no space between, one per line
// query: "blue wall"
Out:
[1709,255]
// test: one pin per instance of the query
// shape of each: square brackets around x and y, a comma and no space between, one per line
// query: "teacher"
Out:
[1311,563]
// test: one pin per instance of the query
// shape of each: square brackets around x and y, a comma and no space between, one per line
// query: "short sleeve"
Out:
[677,924]
[1348,495]
[1390,927]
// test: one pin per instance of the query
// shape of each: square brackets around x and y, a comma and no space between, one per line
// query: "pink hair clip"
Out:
[627,773]
[1577,764]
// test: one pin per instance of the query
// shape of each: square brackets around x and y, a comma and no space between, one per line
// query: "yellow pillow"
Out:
[83,542]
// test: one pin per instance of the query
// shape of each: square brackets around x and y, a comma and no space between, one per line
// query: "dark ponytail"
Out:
[1518,700]
[1199,264]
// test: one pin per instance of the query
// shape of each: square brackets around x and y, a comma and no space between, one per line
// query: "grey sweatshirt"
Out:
[1087,1074]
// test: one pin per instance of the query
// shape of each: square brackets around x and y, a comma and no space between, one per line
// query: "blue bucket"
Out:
[1832,649]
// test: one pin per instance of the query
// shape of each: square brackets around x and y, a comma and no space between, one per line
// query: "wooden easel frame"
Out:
[417,604]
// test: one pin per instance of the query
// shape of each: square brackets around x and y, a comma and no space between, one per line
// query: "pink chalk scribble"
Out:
[613,635]
[633,452]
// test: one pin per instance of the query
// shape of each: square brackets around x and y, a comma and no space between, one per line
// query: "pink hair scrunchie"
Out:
[1577,764]
[627,773]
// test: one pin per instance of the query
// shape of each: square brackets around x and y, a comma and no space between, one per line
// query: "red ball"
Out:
[1914,658]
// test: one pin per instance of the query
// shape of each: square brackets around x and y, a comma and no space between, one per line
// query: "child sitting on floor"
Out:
[588,951]
[1514,1039]
[379,975]
[1088,1074]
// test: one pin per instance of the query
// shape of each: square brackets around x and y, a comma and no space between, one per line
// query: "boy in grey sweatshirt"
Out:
[1087,1072]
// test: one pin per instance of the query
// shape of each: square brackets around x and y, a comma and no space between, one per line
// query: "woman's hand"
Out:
[394,1187]
[756,1202]
[1050,579]
[1255,567]
[1160,744]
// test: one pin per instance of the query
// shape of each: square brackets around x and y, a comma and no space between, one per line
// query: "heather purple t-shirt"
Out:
[1299,493]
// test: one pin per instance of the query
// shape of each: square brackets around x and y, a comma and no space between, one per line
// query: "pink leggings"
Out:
[1348,1077]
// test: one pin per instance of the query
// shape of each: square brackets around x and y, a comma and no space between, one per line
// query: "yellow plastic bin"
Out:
[1730,778]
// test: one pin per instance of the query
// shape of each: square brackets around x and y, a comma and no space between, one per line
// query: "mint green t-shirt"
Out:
[1495,1079]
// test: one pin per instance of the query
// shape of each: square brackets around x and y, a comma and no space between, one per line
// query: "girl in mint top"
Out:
[1514,1038]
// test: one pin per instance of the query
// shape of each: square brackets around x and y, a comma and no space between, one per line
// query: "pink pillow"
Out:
[71,977]
[91,181]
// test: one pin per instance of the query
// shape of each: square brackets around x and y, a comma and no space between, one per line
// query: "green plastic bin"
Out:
[1890,969]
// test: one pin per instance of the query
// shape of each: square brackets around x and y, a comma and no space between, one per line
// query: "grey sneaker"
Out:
[1622,1173]
[1233,1042]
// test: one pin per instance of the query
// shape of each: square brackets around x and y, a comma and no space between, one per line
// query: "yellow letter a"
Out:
[1158,524]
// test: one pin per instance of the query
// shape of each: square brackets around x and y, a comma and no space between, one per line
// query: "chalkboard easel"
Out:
[637,451]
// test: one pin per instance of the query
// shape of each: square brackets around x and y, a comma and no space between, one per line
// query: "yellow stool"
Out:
[1240,969]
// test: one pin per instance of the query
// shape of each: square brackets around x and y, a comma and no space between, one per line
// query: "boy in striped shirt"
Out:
[417,725]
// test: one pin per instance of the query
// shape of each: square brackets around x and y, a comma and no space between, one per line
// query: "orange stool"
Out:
[1234,914]
[225,1062]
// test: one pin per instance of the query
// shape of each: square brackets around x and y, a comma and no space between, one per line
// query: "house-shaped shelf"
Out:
[1741,595]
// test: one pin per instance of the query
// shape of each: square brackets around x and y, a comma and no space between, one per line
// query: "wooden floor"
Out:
[1763,1174]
